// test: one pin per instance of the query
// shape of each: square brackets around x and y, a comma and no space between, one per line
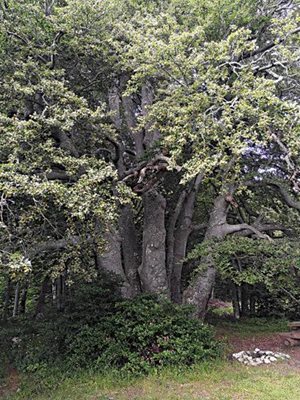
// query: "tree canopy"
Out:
[134,131]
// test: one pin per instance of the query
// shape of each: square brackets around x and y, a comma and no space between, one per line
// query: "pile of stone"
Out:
[258,357]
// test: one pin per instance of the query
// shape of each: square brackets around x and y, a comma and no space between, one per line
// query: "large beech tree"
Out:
[120,119]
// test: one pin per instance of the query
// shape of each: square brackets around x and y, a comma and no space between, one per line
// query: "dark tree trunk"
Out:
[16,300]
[236,301]
[42,299]
[60,293]
[130,250]
[6,300]
[245,300]
[23,299]
[252,305]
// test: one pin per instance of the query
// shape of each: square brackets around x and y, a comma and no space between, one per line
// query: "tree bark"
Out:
[111,260]
[23,299]
[130,251]
[16,300]
[199,290]
[181,236]
[42,299]
[6,300]
[235,301]
[152,271]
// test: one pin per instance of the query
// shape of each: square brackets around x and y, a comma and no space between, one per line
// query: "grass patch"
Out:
[251,326]
[215,381]
[218,380]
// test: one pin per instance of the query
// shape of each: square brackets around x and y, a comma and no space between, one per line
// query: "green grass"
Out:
[219,381]
[250,326]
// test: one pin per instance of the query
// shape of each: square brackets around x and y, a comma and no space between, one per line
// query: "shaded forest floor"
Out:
[219,380]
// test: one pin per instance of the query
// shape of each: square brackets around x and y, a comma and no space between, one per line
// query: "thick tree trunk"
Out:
[151,135]
[130,251]
[130,110]
[200,289]
[111,260]
[152,271]
[181,236]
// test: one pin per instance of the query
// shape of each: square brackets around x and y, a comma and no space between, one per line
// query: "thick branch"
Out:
[267,47]
[228,229]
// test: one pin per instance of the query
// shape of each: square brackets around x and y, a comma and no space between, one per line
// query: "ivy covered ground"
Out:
[220,380]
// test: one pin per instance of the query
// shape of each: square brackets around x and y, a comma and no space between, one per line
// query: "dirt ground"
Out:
[12,382]
[271,342]
[234,343]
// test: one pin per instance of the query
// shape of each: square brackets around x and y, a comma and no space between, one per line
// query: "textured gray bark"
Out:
[151,135]
[171,233]
[199,291]
[130,250]
[130,118]
[114,105]
[153,268]
[111,260]
[16,300]
[181,236]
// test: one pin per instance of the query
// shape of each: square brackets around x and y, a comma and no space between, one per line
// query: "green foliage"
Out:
[144,334]
[271,269]
[134,336]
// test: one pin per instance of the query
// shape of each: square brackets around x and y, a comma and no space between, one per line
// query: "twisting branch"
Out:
[290,163]
[228,229]
[269,46]
[56,40]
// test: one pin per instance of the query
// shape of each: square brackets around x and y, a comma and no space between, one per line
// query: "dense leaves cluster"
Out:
[131,131]
[134,336]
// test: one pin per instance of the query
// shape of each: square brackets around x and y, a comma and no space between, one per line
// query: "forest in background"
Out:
[149,160]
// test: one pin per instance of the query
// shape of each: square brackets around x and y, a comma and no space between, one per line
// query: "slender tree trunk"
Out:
[42,299]
[252,305]
[6,300]
[23,299]
[60,293]
[245,300]
[152,271]
[236,301]
[16,300]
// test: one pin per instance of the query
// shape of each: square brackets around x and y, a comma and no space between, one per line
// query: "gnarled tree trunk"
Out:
[200,289]
[152,271]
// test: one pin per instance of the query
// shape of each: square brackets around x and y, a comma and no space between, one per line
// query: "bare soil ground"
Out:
[11,384]
[270,341]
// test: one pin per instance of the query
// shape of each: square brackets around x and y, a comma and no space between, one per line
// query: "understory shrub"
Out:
[133,336]
[143,334]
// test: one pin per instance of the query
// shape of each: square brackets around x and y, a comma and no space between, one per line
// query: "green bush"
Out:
[133,336]
[143,334]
